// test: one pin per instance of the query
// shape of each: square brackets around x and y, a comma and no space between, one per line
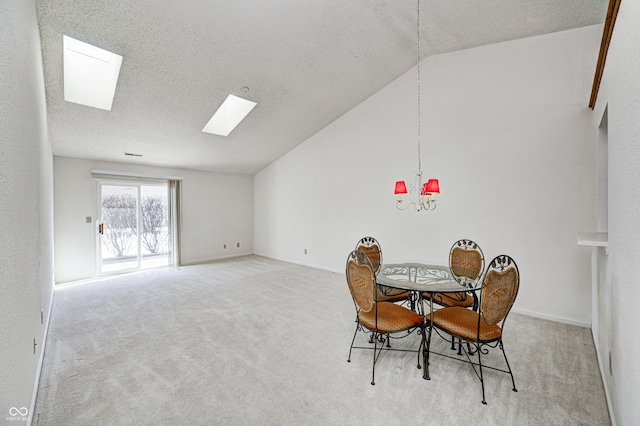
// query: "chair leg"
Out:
[420,351]
[508,366]
[481,377]
[426,353]
[375,349]
[352,340]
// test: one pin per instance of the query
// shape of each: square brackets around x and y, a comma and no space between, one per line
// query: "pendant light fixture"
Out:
[421,196]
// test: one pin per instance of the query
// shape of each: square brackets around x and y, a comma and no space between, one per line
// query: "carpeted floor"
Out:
[252,341]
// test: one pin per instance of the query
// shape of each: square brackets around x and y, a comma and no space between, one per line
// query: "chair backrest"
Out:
[499,289]
[466,262]
[371,248]
[361,280]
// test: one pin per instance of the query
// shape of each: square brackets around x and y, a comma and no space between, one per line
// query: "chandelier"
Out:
[421,196]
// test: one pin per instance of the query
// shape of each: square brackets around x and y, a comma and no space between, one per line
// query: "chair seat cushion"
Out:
[451,299]
[463,323]
[391,318]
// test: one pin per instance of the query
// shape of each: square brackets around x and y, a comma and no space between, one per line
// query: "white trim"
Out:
[323,268]
[132,175]
[593,239]
[607,395]
[213,259]
[36,384]
[310,265]
[554,318]
[526,312]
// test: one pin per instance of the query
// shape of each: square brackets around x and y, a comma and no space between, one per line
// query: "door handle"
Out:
[101,229]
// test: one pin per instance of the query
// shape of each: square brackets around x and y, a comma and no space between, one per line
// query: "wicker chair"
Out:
[371,247]
[380,318]
[483,329]
[466,262]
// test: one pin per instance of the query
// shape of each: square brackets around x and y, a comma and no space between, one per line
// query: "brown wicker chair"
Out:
[484,328]
[380,318]
[371,247]
[466,262]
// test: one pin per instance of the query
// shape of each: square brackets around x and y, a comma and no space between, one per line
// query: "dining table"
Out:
[419,278]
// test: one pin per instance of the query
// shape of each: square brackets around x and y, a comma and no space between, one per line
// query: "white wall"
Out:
[217,209]
[623,97]
[26,207]
[507,131]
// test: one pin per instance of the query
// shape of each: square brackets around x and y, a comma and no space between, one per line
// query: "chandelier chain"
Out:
[418,61]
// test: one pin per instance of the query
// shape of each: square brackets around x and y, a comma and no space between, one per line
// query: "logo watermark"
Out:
[18,414]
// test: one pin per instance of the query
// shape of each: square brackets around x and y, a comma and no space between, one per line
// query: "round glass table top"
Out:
[422,278]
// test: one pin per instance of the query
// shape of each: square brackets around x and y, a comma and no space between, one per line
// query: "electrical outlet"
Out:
[305,251]
[224,246]
[238,245]
[88,219]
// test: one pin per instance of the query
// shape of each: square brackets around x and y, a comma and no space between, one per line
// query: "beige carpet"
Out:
[254,341]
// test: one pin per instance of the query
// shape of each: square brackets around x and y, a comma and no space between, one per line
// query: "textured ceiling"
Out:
[305,62]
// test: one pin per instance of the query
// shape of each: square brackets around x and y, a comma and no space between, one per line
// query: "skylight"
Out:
[232,111]
[90,74]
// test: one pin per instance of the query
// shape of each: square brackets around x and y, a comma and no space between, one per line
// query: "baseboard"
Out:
[34,395]
[604,380]
[213,259]
[527,312]
[554,318]
[295,262]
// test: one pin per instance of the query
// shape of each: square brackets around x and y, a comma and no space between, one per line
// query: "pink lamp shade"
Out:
[401,188]
[432,186]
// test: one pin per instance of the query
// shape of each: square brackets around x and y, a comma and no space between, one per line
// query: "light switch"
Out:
[88,219]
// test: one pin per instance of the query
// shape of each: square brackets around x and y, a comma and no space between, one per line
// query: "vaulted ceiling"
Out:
[305,62]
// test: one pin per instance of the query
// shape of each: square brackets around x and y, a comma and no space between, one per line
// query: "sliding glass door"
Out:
[133,230]
[154,232]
